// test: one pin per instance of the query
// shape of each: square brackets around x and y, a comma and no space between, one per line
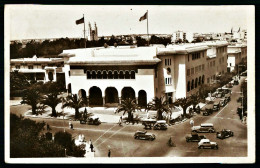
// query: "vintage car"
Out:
[93,120]
[228,97]
[195,137]
[148,123]
[207,111]
[143,135]
[216,105]
[160,125]
[224,134]
[223,102]
[205,143]
[206,127]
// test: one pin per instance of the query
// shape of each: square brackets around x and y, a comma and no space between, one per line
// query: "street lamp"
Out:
[63,114]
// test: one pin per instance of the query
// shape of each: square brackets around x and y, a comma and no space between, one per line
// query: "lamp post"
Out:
[63,114]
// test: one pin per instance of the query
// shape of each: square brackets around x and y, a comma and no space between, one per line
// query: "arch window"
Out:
[121,75]
[115,75]
[199,80]
[99,75]
[104,74]
[196,82]
[192,84]
[110,75]
[202,80]
[88,75]
[94,75]
[127,75]
[188,86]
[132,74]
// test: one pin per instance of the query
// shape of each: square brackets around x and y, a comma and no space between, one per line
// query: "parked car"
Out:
[143,135]
[195,137]
[160,125]
[206,127]
[148,123]
[227,97]
[206,143]
[207,111]
[93,120]
[223,102]
[224,134]
[216,105]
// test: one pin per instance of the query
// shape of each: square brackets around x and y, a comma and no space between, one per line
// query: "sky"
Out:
[57,21]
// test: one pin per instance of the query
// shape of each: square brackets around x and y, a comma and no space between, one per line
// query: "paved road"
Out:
[122,144]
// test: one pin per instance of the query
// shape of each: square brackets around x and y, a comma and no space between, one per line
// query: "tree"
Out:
[184,103]
[65,140]
[128,106]
[195,99]
[25,141]
[18,81]
[160,106]
[32,96]
[50,98]
[76,103]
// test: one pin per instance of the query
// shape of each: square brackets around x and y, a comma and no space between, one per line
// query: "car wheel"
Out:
[216,147]
[136,137]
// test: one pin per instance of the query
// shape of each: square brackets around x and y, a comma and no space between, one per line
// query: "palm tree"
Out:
[160,105]
[195,99]
[128,106]
[184,103]
[76,103]
[32,96]
[51,91]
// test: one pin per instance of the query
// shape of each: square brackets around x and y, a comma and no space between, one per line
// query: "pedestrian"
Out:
[48,127]
[91,147]
[109,153]
[71,126]
[191,123]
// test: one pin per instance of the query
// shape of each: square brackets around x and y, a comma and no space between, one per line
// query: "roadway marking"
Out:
[104,133]
[110,136]
[221,110]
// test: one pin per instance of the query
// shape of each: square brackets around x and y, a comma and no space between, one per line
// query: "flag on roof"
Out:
[80,21]
[143,17]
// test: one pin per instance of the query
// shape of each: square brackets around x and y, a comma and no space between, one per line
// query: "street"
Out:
[120,140]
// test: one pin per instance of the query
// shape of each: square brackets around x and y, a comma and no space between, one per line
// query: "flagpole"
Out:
[84,31]
[147,29]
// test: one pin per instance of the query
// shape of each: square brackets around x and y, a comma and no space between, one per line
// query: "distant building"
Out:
[182,36]
[93,33]
[236,53]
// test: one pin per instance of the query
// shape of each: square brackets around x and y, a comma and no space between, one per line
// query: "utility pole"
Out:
[84,31]
[147,29]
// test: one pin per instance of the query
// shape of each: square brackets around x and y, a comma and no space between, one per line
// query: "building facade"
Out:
[105,76]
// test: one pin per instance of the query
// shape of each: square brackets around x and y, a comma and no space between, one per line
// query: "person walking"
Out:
[48,127]
[191,123]
[91,147]
[109,153]
[70,124]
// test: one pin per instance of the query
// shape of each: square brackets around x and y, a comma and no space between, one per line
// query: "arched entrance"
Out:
[82,94]
[95,96]
[142,98]
[128,92]
[111,95]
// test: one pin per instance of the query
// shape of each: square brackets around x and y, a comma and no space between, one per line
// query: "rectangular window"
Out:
[192,71]
[203,66]
[17,66]
[165,61]
[188,72]
[219,60]
[223,59]
[69,73]
[196,69]
[30,66]
[207,80]
[213,63]
[230,64]
[210,64]
[43,66]
[199,68]
[188,57]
